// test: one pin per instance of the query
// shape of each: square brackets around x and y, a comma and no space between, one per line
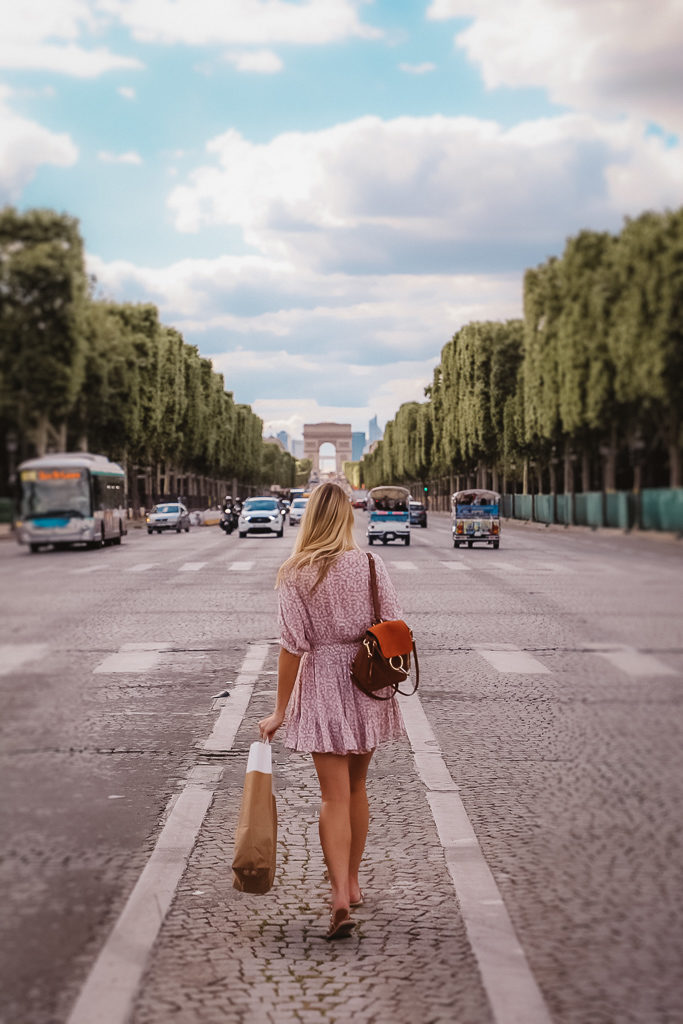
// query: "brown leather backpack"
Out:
[384,658]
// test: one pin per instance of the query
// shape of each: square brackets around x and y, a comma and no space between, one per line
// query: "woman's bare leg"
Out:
[360,818]
[335,822]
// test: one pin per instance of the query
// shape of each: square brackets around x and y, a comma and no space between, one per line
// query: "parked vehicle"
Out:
[388,515]
[170,515]
[475,518]
[261,515]
[71,498]
[296,511]
[418,514]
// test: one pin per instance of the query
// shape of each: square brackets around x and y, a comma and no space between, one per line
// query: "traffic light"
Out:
[425,489]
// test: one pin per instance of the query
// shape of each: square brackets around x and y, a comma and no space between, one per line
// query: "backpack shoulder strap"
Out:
[373,590]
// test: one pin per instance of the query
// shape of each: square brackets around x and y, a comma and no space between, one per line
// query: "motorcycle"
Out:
[230,517]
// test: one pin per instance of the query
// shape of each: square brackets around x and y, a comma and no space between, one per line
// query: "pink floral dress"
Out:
[327,713]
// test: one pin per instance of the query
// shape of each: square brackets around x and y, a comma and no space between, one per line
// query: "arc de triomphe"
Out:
[317,434]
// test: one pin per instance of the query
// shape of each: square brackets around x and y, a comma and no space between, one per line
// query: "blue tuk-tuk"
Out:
[388,514]
[475,518]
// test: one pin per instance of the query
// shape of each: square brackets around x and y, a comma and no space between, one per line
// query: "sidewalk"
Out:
[223,957]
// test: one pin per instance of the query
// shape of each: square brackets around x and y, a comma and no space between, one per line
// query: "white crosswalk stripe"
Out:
[458,566]
[87,568]
[133,658]
[142,567]
[240,566]
[556,567]
[504,566]
[191,566]
[406,566]
[14,656]
[636,663]
[512,659]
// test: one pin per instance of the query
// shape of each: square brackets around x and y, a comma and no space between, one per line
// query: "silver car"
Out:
[261,515]
[297,509]
[168,516]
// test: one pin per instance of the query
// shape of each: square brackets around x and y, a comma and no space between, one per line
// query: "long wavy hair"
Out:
[326,530]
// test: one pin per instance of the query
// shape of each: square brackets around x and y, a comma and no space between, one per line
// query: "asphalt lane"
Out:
[552,675]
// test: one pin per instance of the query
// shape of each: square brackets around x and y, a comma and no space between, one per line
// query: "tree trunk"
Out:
[494,478]
[553,477]
[609,466]
[585,472]
[525,475]
[568,470]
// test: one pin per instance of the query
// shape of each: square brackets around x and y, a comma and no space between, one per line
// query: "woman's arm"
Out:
[287,671]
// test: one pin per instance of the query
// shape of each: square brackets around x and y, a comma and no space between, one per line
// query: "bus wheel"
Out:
[385,540]
[496,545]
[456,543]
[470,543]
[371,540]
[35,548]
[407,540]
[117,540]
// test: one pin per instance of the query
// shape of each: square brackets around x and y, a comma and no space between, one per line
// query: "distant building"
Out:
[374,432]
[358,441]
[283,436]
[297,447]
[276,441]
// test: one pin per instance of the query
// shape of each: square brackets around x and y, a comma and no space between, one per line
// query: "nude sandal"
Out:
[341,924]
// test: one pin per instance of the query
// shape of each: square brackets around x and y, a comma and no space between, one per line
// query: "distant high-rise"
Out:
[297,448]
[283,436]
[358,440]
[374,432]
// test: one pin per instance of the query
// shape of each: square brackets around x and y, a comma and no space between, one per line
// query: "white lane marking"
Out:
[460,566]
[109,990]
[635,663]
[511,659]
[14,656]
[407,566]
[133,658]
[87,568]
[232,713]
[191,566]
[508,981]
[142,567]
[240,566]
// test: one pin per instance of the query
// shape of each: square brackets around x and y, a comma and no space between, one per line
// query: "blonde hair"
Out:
[326,530]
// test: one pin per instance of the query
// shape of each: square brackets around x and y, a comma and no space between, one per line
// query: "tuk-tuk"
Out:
[475,518]
[388,514]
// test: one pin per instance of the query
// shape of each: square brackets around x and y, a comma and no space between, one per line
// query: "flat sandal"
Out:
[341,924]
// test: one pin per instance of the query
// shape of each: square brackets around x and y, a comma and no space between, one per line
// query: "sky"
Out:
[319,193]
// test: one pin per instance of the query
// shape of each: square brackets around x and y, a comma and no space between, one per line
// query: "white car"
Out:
[261,515]
[297,509]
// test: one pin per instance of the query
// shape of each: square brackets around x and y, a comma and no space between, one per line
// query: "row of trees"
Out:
[80,373]
[584,393]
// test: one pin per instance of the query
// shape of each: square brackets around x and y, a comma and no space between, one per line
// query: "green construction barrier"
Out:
[6,510]
[563,509]
[544,508]
[617,510]
[662,509]
[507,502]
[523,507]
[588,509]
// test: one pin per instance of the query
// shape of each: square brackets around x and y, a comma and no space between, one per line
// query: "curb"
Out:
[604,531]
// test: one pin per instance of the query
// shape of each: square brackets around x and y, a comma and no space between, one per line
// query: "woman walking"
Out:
[325,606]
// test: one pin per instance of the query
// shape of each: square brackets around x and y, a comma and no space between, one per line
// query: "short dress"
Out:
[327,713]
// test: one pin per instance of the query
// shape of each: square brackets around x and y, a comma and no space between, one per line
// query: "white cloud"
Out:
[240,22]
[24,146]
[45,37]
[119,158]
[126,91]
[365,345]
[264,62]
[596,55]
[431,193]
[418,69]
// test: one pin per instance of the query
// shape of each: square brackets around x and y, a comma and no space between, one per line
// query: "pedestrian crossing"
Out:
[503,658]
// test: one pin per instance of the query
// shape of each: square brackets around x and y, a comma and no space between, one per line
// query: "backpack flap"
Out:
[395,638]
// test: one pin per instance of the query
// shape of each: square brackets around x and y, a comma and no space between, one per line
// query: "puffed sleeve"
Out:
[389,604]
[292,619]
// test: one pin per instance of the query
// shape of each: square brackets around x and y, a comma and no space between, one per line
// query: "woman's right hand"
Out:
[270,725]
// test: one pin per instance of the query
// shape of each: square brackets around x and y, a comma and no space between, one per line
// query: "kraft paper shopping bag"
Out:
[253,864]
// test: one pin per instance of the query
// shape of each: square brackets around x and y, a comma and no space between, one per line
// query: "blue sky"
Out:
[318,194]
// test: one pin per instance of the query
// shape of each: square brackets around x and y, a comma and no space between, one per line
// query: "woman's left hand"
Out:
[270,725]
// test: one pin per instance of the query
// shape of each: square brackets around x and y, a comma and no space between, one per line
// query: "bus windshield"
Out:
[58,491]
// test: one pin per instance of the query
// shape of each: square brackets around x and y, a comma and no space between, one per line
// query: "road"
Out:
[550,703]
